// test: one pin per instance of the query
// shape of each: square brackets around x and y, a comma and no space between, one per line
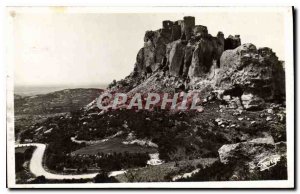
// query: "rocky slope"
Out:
[239,79]
[171,60]
[29,110]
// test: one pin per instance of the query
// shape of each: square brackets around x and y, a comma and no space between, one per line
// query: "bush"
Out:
[39,180]
[102,177]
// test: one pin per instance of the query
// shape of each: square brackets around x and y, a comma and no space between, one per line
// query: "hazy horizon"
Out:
[60,85]
[40,89]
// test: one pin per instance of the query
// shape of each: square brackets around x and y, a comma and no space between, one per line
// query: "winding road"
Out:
[36,164]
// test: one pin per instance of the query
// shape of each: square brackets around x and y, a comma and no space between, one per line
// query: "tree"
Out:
[102,177]
[39,180]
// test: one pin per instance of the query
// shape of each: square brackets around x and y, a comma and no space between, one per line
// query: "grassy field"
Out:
[163,172]
[114,145]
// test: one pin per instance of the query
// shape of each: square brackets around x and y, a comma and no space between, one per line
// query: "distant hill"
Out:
[30,90]
[55,102]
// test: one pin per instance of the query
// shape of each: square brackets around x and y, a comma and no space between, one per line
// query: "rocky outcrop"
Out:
[183,48]
[250,101]
[154,50]
[149,57]
[254,150]
[139,64]
[202,59]
[176,57]
[243,76]
[231,79]
[253,157]
[254,75]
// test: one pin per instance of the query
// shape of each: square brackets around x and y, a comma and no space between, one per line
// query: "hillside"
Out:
[56,102]
[30,110]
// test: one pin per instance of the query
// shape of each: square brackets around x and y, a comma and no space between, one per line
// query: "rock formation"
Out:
[242,121]
[254,75]
[254,157]
[241,73]
[185,49]
[182,56]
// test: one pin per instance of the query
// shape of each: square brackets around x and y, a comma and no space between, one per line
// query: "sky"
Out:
[55,48]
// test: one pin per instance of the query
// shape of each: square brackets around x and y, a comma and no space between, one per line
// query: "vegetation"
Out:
[22,158]
[22,155]
[179,135]
[102,177]
[237,172]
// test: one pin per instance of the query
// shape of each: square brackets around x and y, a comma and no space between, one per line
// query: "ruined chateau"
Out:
[183,48]
[184,56]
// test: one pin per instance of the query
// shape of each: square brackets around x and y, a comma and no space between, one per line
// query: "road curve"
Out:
[36,165]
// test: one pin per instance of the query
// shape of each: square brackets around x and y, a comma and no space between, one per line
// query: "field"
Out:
[114,145]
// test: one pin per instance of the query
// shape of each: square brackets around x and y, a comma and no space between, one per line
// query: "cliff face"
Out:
[251,74]
[242,90]
[183,56]
[183,48]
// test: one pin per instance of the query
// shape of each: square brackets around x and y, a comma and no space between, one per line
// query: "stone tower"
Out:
[188,25]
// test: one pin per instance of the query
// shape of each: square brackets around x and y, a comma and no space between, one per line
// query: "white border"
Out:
[228,184]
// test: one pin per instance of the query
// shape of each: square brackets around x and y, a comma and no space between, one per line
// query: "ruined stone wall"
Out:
[187,27]
[183,49]
[200,31]
[167,24]
[232,42]
[176,32]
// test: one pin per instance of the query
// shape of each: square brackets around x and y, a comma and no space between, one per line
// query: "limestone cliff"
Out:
[184,56]
[183,49]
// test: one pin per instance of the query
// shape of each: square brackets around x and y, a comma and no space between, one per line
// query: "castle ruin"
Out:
[183,49]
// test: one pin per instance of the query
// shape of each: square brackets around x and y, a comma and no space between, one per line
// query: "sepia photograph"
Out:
[156,97]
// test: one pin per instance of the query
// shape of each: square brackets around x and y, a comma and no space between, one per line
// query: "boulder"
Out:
[253,74]
[250,150]
[257,155]
[234,103]
[252,102]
